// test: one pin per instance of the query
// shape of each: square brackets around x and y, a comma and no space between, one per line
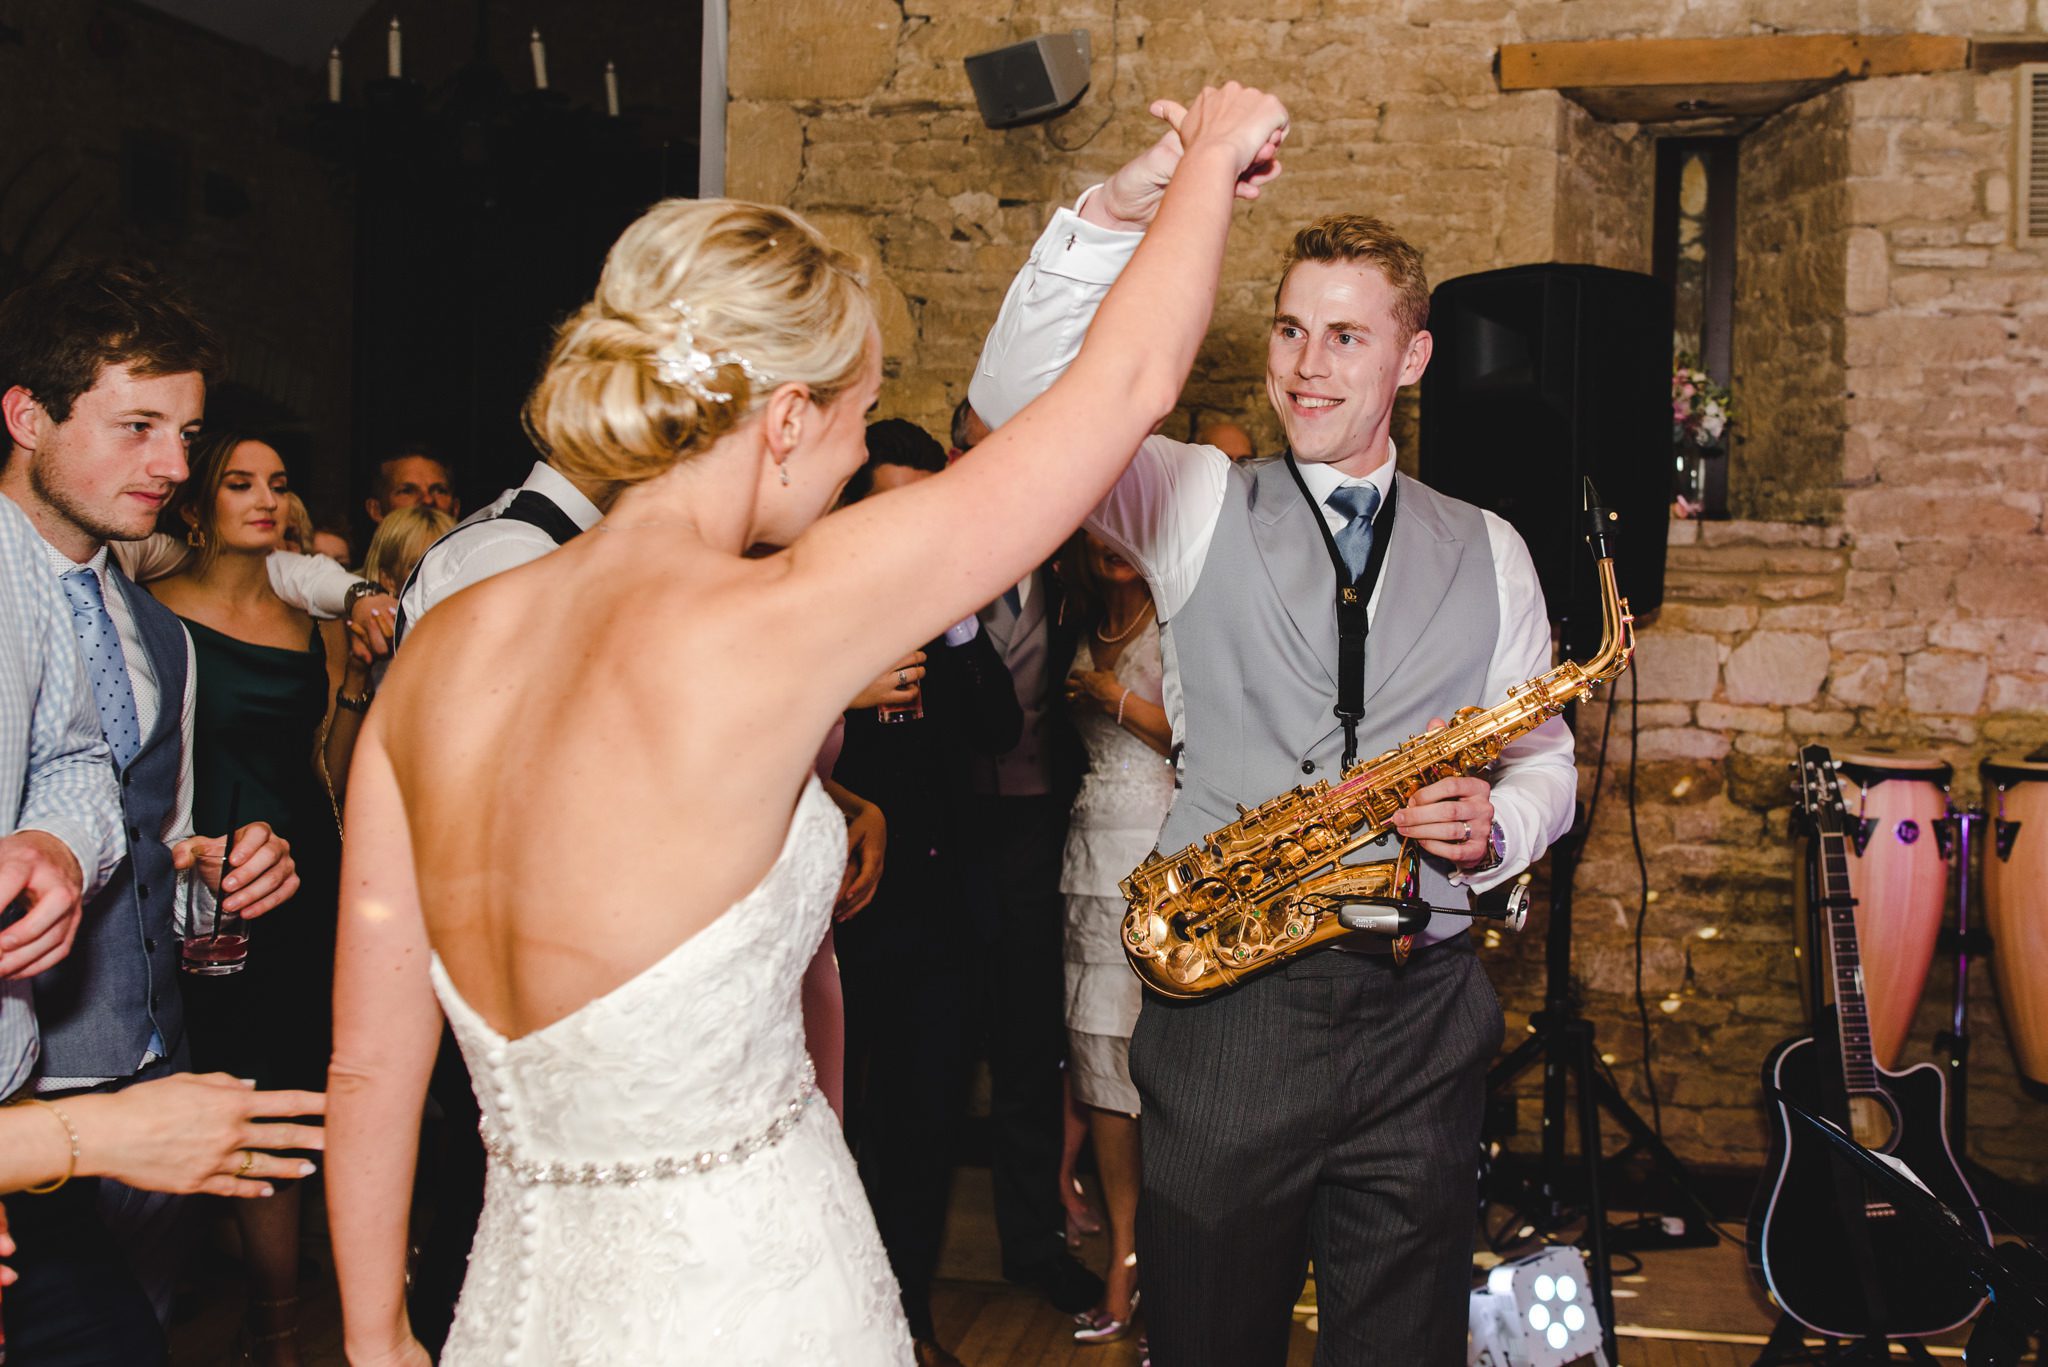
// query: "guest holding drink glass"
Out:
[270,681]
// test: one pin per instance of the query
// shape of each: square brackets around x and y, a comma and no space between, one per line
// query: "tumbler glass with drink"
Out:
[218,944]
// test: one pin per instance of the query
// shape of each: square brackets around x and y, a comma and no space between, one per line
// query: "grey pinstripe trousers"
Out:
[1329,1109]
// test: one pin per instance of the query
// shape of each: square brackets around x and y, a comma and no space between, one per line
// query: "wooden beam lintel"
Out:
[1769,59]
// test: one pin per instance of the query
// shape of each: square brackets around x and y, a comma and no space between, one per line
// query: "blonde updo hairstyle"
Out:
[758,282]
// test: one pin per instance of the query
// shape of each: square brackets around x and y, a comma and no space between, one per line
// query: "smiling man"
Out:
[1331,1107]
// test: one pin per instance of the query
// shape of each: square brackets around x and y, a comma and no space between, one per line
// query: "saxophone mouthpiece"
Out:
[1597,522]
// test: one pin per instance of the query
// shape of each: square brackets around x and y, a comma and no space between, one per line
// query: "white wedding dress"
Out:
[665,1184]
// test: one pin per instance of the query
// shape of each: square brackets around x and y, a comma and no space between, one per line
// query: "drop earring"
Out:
[783,470]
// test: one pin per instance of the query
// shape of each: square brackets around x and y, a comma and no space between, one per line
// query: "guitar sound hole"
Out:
[1870,1122]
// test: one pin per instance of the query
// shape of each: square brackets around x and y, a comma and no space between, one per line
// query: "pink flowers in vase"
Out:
[1701,411]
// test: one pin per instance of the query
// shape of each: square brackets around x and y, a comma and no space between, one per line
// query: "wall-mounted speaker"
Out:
[1031,80]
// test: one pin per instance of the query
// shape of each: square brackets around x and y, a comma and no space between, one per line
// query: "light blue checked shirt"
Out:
[56,774]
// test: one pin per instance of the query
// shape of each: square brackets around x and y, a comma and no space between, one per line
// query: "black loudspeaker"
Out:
[1544,375]
[1031,80]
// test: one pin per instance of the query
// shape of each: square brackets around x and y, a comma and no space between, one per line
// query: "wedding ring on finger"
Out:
[901,682]
[1466,838]
[248,1162]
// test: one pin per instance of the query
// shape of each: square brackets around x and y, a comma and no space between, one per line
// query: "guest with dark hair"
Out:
[103,374]
[908,962]
[270,683]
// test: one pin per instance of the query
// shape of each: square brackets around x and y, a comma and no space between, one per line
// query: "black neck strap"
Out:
[1352,597]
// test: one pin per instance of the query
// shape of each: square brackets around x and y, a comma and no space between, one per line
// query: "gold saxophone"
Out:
[1268,886]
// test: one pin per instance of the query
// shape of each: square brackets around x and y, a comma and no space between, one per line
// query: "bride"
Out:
[581,819]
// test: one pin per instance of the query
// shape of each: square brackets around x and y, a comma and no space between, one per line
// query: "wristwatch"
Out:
[355,593]
[1496,851]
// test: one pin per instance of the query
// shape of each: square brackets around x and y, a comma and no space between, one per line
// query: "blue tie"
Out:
[105,663]
[1356,503]
[1014,601]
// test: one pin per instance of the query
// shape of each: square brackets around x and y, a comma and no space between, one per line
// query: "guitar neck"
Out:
[1852,1012]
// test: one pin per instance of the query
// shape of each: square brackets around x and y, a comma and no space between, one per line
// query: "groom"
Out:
[1329,1108]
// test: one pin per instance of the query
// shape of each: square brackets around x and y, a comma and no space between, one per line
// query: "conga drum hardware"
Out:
[2016,904]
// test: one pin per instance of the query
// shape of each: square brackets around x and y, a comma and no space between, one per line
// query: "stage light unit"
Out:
[1533,1312]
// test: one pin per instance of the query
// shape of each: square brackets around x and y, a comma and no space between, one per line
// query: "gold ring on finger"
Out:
[248,1162]
[1467,835]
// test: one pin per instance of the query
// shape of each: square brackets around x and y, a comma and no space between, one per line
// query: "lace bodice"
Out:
[1129,785]
[664,1186]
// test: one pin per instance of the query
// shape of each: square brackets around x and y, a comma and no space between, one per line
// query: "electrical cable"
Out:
[1109,114]
[1635,836]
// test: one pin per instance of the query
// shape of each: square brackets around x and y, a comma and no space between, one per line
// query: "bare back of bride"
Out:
[581,820]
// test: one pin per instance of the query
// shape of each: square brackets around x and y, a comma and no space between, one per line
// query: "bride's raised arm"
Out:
[899,569]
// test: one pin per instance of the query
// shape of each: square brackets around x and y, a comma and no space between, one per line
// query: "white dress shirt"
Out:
[148,705]
[56,774]
[1162,514]
[457,562]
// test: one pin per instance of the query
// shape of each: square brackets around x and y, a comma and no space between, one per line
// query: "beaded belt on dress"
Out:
[532,1172]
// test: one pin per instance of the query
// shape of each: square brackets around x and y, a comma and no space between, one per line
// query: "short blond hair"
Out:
[758,282]
[1363,238]
[298,523]
[402,538]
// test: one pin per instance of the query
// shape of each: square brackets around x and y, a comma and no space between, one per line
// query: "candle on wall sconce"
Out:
[540,61]
[394,61]
[334,75]
[611,89]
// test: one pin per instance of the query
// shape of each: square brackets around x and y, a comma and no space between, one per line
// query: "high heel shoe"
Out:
[1097,1325]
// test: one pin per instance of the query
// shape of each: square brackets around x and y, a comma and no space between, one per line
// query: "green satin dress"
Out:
[259,714]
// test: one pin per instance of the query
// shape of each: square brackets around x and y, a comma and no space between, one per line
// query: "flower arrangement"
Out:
[1701,411]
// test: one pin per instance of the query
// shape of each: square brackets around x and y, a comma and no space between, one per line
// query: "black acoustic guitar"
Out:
[1833,1254]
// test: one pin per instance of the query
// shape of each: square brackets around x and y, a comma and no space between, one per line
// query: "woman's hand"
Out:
[1250,123]
[1094,688]
[264,875]
[195,1132]
[897,687]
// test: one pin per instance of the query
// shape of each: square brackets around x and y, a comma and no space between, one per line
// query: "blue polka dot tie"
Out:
[1356,503]
[104,663]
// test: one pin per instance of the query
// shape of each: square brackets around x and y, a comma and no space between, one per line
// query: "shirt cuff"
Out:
[79,841]
[1075,249]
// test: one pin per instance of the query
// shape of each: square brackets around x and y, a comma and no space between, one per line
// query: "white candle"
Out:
[394,63]
[334,75]
[611,89]
[540,61]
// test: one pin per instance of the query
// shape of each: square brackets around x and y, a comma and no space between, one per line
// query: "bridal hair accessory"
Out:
[683,363]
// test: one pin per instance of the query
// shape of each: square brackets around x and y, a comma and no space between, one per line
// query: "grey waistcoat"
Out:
[1255,652]
[98,1008]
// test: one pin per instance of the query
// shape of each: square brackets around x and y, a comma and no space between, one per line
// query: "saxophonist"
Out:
[1329,1108]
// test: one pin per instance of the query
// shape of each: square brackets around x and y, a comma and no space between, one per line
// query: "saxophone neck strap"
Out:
[1352,597]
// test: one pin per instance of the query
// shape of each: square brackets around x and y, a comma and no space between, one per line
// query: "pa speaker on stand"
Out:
[1544,376]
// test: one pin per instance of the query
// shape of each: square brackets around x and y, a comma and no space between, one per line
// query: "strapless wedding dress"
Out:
[666,1185]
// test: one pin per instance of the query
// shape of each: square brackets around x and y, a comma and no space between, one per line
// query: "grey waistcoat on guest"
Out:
[119,984]
[1255,653]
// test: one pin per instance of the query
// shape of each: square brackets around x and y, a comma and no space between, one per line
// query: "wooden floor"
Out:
[1680,1309]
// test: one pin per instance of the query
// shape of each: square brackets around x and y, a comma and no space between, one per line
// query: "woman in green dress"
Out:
[279,702]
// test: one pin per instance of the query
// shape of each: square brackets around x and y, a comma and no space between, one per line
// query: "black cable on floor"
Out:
[1635,836]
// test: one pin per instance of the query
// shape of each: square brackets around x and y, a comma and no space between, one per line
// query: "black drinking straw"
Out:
[227,855]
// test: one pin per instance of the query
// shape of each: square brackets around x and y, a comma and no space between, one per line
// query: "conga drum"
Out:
[1900,879]
[2016,903]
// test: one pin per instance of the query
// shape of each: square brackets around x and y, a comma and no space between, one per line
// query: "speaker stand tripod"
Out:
[1562,1039]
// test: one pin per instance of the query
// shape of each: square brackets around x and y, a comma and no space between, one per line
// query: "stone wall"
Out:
[1888,589]
[1791,215]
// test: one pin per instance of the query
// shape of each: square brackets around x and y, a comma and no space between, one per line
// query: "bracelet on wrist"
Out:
[70,1133]
[1120,706]
[358,703]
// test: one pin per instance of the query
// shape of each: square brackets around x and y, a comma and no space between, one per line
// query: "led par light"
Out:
[1536,1312]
